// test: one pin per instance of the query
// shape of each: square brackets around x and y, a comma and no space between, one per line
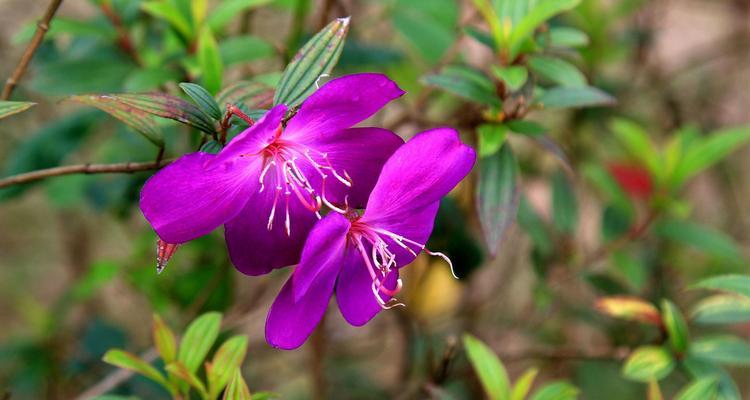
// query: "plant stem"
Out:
[123,168]
[41,28]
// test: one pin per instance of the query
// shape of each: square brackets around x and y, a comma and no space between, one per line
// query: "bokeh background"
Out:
[77,259]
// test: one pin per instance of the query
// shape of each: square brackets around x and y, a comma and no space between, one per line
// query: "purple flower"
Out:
[359,256]
[268,184]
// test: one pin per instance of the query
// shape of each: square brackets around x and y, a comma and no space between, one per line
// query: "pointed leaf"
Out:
[575,97]
[202,98]
[497,195]
[638,143]
[138,120]
[514,76]
[237,389]
[167,11]
[317,57]
[722,309]
[250,93]
[728,350]
[732,283]
[8,108]
[539,14]
[164,340]
[227,9]
[123,359]
[715,243]
[199,336]
[491,138]
[564,204]
[226,360]
[523,384]
[179,370]
[562,36]
[465,82]
[674,323]
[557,71]
[700,389]
[648,363]
[629,308]
[489,369]
[709,151]
[209,58]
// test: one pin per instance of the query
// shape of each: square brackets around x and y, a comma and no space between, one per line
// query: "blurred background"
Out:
[77,258]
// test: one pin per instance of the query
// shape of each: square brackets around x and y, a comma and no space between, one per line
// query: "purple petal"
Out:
[354,290]
[255,250]
[418,174]
[186,199]
[290,322]
[360,153]
[340,104]
[253,139]
[324,249]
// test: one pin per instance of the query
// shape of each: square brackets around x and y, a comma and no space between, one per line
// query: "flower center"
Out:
[380,260]
[290,162]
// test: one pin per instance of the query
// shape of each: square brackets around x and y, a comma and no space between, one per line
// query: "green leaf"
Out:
[731,283]
[167,11]
[523,384]
[164,339]
[199,336]
[465,82]
[123,359]
[226,361]
[98,275]
[556,391]
[480,36]
[575,97]
[722,309]
[647,363]
[497,195]
[567,37]
[316,58]
[149,79]
[700,369]
[638,143]
[700,389]
[729,350]
[237,389]
[488,367]
[564,204]
[138,120]
[557,71]
[8,108]
[709,151]
[94,28]
[428,26]
[203,99]
[198,9]
[210,62]
[239,49]
[179,370]
[227,9]
[535,227]
[539,14]
[674,322]
[514,76]
[526,127]
[491,138]
[250,93]
[700,237]
[159,104]
[69,76]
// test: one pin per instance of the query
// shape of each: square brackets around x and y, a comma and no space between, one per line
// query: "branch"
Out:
[122,168]
[41,28]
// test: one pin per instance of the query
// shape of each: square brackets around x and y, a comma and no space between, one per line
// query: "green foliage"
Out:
[8,108]
[648,363]
[489,369]
[497,195]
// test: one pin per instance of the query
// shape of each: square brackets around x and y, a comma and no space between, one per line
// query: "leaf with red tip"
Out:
[629,308]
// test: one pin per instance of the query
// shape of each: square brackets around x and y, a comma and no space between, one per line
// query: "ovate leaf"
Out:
[722,309]
[179,370]
[556,391]
[123,359]
[225,10]
[465,82]
[540,13]
[557,71]
[317,57]
[629,308]
[489,369]
[225,362]
[648,363]
[167,11]
[523,385]
[138,120]
[491,138]
[727,349]
[700,389]
[237,389]
[561,36]
[497,195]
[514,76]
[731,283]
[252,94]
[564,204]
[709,151]
[164,340]
[239,49]
[202,98]
[8,108]
[200,335]
[429,26]
[703,238]
[575,97]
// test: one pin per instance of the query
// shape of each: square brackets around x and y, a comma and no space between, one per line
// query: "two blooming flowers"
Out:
[269,185]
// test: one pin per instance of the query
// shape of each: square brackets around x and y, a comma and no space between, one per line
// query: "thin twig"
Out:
[41,28]
[121,168]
